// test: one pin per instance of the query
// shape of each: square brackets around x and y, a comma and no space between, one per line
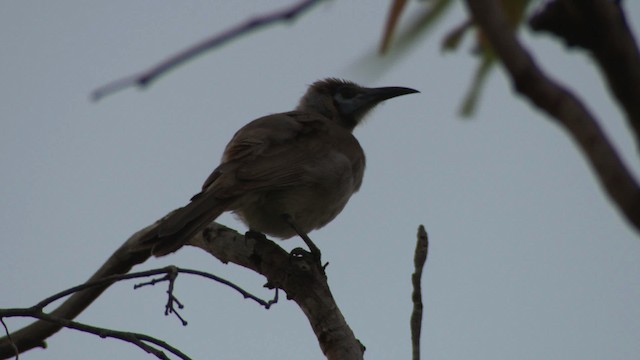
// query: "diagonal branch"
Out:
[146,77]
[35,334]
[600,26]
[561,105]
[299,277]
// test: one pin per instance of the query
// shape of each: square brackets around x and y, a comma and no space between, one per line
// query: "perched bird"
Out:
[287,173]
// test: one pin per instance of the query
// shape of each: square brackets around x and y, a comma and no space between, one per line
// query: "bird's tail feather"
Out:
[177,228]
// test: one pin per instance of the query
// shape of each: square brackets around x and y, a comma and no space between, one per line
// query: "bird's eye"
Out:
[346,93]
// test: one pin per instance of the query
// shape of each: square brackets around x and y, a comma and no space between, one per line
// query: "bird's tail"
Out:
[179,226]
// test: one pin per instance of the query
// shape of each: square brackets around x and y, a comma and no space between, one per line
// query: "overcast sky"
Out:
[528,258]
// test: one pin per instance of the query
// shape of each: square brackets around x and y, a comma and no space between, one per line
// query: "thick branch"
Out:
[299,276]
[562,106]
[600,26]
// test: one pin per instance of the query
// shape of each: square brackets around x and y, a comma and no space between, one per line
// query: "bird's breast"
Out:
[315,199]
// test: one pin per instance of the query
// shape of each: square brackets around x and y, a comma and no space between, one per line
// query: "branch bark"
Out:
[299,276]
[564,107]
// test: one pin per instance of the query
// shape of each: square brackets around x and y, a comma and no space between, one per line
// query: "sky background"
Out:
[528,259]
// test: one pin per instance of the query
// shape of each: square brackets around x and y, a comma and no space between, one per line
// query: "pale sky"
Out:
[528,258]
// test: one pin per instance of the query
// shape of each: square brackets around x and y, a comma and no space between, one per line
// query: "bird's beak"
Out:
[374,96]
[368,98]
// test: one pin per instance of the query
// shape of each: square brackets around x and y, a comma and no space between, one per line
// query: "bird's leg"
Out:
[315,251]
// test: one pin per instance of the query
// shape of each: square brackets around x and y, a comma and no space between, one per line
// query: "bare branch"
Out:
[562,106]
[600,26]
[171,275]
[419,259]
[121,262]
[145,78]
[140,340]
[172,300]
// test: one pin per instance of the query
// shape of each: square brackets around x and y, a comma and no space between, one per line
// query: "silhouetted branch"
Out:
[561,105]
[140,340]
[419,259]
[172,300]
[145,78]
[121,262]
[171,273]
[600,26]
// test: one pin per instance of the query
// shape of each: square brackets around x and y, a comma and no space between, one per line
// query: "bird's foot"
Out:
[306,260]
[313,249]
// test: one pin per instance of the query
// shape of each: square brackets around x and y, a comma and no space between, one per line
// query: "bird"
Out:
[284,174]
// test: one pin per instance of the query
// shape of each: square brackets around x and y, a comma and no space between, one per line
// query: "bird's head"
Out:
[346,101]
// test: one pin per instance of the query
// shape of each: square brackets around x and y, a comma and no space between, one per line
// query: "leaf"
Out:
[515,11]
[453,37]
[424,20]
[392,20]
[470,102]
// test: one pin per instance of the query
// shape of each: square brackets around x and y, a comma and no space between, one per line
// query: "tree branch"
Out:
[562,106]
[146,77]
[600,26]
[300,277]
[137,339]
[140,340]
[34,335]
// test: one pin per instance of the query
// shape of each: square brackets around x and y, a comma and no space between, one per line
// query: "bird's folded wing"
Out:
[275,151]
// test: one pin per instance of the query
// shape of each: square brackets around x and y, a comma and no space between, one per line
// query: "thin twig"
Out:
[171,274]
[140,340]
[147,273]
[145,78]
[244,293]
[419,259]
[169,308]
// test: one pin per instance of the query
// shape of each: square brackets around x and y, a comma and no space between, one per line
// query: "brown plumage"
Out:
[304,163]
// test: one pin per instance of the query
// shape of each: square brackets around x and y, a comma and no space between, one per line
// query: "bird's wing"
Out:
[266,153]
[270,152]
